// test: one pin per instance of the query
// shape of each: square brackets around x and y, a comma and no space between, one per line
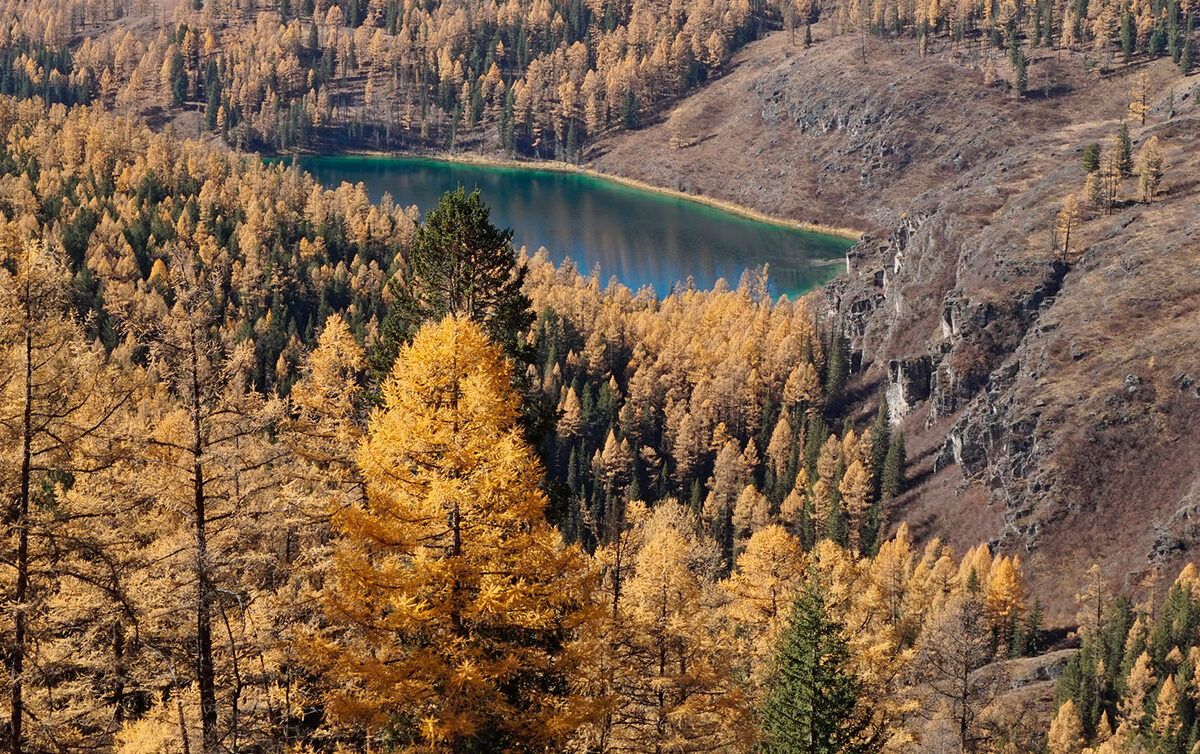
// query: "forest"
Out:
[533,78]
[288,470]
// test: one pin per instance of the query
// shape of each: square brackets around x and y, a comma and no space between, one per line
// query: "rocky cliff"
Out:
[1050,403]
[1061,393]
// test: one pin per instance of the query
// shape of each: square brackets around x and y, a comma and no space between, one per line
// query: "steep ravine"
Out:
[1049,407]
[1063,398]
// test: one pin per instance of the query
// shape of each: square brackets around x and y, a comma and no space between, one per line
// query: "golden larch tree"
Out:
[1068,219]
[675,690]
[856,491]
[1139,98]
[1150,169]
[1005,598]
[762,589]
[57,400]
[455,600]
[1066,731]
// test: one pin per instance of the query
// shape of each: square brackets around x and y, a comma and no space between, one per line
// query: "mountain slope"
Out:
[1050,408]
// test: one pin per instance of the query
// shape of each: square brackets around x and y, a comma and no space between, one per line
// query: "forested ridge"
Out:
[536,78]
[287,470]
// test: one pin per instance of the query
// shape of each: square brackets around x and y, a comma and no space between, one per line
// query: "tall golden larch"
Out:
[1139,98]
[1005,598]
[803,387]
[791,511]
[779,449]
[829,462]
[1066,731]
[856,491]
[58,399]
[891,571]
[750,514]
[1150,169]
[1139,687]
[455,600]
[676,687]
[1167,727]
[761,590]
[821,499]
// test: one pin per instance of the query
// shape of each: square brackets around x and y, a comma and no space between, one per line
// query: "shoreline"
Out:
[557,166]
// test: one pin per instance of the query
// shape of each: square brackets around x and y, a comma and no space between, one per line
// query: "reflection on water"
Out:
[639,237]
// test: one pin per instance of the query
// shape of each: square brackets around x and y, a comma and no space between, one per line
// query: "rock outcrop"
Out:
[1050,407]
[1063,390]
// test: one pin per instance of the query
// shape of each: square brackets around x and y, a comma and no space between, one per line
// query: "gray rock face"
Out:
[909,383]
[942,308]
[1068,396]
[1182,530]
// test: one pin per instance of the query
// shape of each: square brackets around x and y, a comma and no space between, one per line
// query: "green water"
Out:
[638,237]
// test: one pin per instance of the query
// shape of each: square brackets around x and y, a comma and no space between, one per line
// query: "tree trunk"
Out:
[205,676]
[20,522]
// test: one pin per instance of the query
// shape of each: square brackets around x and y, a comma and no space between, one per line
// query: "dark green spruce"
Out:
[814,703]
[459,264]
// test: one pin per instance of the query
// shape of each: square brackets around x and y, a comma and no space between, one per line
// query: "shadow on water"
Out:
[638,237]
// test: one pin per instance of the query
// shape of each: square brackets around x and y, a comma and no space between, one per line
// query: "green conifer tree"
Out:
[1031,631]
[1124,151]
[1016,57]
[814,702]
[893,469]
[881,437]
[838,369]
[1128,34]
[459,264]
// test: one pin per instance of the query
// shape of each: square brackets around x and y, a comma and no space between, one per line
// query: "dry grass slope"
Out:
[1061,421]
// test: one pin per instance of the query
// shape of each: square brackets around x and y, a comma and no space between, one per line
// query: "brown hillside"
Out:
[1052,409]
[817,134]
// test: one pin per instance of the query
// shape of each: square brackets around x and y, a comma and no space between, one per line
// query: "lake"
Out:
[639,237]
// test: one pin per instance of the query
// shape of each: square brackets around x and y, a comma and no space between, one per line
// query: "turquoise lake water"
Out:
[638,237]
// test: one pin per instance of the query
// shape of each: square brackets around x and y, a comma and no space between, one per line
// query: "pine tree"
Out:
[838,368]
[1123,147]
[814,701]
[1128,34]
[893,482]
[453,599]
[459,264]
[1031,632]
[1091,157]
[881,437]
[1019,62]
